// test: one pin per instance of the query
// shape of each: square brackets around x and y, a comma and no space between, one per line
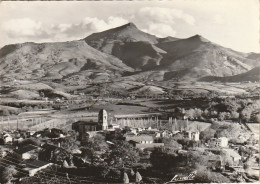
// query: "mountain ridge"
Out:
[124,49]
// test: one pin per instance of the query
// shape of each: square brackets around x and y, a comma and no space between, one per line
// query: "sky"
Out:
[230,23]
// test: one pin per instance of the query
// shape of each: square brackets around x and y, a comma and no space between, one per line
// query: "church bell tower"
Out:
[102,119]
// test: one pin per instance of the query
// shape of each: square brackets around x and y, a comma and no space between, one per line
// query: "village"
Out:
[124,148]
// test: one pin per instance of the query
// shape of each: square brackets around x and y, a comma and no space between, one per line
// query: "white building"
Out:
[143,139]
[220,142]
[8,138]
[195,136]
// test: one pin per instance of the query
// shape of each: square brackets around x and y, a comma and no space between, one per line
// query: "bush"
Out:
[205,176]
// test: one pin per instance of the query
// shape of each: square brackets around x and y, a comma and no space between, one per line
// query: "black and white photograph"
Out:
[114,92]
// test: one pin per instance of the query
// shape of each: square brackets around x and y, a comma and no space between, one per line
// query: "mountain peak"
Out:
[199,37]
[130,24]
[125,33]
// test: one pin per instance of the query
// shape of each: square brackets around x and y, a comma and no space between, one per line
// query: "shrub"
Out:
[205,176]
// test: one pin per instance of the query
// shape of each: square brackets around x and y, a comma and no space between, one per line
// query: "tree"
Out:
[256,118]
[93,149]
[125,178]
[97,143]
[138,178]
[123,155]
[65,164]
[164,160]
[171,143]
[70,142]
[207,134]
[178,136]
[132,172]
[206,176]
[246,114]
[190,114]
[222,116]
[8,174]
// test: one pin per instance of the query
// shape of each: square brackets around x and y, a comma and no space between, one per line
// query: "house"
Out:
[33,166]
[195,136]
[218,142]
[7,138]
[113,126]
[134,131]
[149,146]
[165,133]
[141,139]
[233,154]
[28,151]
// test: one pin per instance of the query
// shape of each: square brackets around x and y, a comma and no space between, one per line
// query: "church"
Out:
[88,126]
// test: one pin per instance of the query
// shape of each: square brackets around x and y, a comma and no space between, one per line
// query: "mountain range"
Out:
[128,53]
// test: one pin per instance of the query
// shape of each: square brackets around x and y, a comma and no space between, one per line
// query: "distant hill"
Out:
[254,56]
[252,76]
[55,60]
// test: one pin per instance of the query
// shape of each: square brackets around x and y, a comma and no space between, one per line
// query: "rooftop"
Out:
[151,145]
[35,163]
[26,148]
[139,138]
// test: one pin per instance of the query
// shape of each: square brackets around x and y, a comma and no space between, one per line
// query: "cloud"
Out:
[160,30]
[92,24]
[27,29]
[162,21]
[154,20]
[165,15]
[23,27]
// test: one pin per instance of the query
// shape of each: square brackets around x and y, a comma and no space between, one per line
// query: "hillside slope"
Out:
[199,57]
[252,76]
[55,60]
